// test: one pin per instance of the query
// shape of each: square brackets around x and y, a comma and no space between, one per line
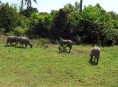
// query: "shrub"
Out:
[42,43]
[9,34]
[78,39]
[19,31]
[62,48]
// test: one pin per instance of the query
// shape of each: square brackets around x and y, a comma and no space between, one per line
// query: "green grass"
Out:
[46,67]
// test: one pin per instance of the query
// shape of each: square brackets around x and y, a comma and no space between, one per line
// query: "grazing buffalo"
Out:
[95,52]
[12,40]
[68,43]
[26,41]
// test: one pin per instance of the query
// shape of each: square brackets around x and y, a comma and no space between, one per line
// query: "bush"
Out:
[9,34]
[78,39]
[19,31]
[62,48]
[42,43]
[2,31]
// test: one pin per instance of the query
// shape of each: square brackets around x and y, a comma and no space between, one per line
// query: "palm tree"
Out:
[81,5]
[22,5]
[27,2]
[0,2]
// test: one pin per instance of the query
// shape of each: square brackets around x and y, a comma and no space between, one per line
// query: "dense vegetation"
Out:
[92,25]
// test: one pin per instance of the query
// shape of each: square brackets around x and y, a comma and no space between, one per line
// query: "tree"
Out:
[22,5]
[29,11]
[59,24]
[81,1]
[0,2]
[27,2]
[9,17]
[77,5]
[90,23]
[39,25]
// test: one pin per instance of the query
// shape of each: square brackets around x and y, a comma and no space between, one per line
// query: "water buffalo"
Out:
[95,52]
[68,43]
[12,40]
[26,41]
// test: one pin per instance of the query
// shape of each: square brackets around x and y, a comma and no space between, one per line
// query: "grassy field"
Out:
[46,67]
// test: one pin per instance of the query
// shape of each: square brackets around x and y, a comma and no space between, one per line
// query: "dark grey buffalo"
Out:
[68,43]
[25,41]
[95,52]
[12,40]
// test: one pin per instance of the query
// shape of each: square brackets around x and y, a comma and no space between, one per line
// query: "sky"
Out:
[48,5]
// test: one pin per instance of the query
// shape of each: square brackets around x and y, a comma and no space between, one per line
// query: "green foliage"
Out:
[64,20]
[78,39]
[23,22]
[93,24]
[28,12]
[96,25]
[41,24]
[2,31]
[9,33]
[62,48]
[42,43]
[19,31]
[8,16]
[59,24]
[89,23]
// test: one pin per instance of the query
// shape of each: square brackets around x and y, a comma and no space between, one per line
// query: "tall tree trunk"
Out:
[21,7]
[29,3]
[81,5]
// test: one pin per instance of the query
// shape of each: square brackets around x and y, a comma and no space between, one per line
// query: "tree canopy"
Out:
[92,25]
